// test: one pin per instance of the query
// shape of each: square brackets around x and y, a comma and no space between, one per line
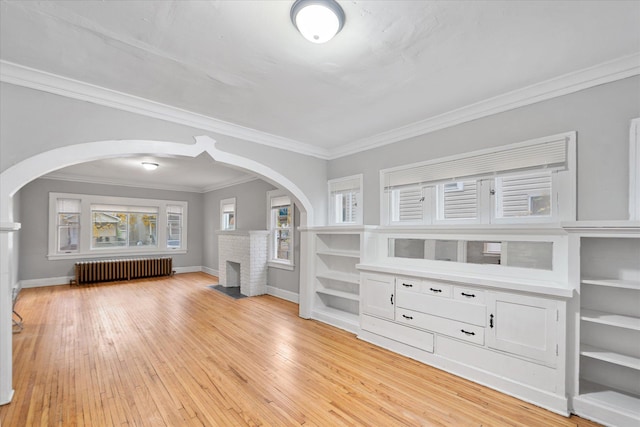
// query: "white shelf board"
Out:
[604,318]
[341,319]
[598,396]
[340,294]
[614,283]
[610,356]
[340,277]
[346,254]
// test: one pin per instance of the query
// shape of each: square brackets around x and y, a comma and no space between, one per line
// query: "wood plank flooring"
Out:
[172,352]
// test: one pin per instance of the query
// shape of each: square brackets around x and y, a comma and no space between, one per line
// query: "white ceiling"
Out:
[394,63]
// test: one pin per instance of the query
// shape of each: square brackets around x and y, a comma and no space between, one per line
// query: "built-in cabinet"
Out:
[608,326]
[565,337]
[510,340]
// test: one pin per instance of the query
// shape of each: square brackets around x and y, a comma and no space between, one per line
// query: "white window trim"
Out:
[359,200]
[84,245]
[230,201]
[277,263]
[634,170]
[563,183]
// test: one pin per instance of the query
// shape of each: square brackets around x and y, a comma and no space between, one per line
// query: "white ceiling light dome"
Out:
[317,20]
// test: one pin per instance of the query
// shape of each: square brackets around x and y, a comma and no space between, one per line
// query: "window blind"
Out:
[68,205]
[228,208]
[280,201]
[549,154]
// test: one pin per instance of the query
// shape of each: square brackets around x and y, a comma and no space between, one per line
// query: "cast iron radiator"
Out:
[122,269]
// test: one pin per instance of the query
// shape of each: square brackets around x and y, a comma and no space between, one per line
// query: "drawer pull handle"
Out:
[468,295]
[407,285]
[407,317]
[491,320]
[435,290]
[467,332]
[391,299]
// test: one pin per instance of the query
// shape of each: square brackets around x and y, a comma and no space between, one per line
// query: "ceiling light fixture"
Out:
[149,166]
[317,20]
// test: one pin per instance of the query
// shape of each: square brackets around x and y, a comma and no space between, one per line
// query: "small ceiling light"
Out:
[149,166]
[317,20]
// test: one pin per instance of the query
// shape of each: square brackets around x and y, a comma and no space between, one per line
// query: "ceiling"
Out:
[394,63]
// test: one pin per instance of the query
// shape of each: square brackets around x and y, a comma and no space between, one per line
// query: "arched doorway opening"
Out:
[17,176]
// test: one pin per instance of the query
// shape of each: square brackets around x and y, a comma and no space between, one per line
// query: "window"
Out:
[174,226]
[518,183]
[281,228]
[86,225]
[458,201]
[523,196]
[123,226]
[228,214]
[68,229]
[345,200]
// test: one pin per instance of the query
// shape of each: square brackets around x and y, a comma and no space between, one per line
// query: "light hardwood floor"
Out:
[171,352]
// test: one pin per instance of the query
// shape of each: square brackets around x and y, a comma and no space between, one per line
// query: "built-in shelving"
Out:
[622,284]
[610,356]
[608,366]
[611,319]
[336,297]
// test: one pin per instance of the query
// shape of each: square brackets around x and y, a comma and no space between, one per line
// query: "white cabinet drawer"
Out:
[474,314]
[468,294]
[408,284]
[452,328]
[435,288]
[410,336]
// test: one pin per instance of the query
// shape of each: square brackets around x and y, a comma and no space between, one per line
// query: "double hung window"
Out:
[518,183]
[281,228]
[228,214]
[345,200]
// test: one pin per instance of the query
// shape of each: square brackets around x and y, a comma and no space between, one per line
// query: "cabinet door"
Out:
[378,295]
[523,325]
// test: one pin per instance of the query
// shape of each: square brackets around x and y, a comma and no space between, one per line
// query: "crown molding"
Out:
[59,176]
[52,83]
[605,72]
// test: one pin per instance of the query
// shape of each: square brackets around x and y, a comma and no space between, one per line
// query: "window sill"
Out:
[112,254]
[281,265]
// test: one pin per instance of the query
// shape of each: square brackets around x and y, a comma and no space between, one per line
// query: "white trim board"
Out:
[47,281]
[605,72]
[283,294]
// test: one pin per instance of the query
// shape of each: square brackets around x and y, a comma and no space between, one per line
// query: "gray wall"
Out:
[601,116]
[34,201]
[35,121]
[251,214]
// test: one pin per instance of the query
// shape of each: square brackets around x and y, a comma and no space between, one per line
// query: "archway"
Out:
[18,175]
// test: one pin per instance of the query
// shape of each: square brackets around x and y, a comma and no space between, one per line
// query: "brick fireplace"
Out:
[242,260]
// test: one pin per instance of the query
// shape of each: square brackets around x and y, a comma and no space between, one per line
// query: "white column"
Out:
[7,263]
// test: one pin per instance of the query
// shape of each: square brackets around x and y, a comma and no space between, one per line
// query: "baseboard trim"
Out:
[211,271]
[7,399]
[191,269]
[285,295]
[47,281]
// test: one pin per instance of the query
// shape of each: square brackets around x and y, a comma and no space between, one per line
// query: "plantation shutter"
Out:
[407,203]
[460,200]
[527,195]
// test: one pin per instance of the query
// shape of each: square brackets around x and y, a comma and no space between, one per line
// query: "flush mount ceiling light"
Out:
[317,20]
[149,166]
